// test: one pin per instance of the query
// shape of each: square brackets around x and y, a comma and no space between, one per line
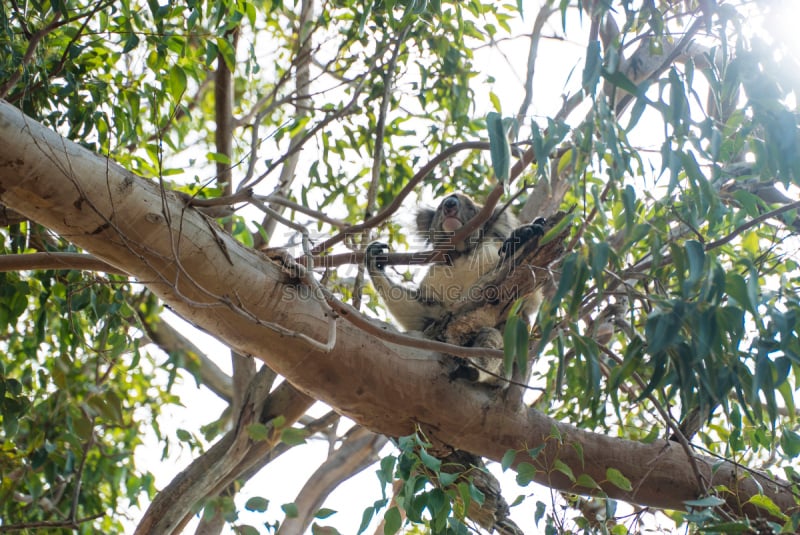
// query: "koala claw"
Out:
[521,235]
[376,255]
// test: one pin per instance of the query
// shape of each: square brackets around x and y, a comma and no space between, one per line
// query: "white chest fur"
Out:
[452,284]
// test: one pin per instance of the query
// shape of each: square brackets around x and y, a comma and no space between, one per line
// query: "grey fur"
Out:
[444,285]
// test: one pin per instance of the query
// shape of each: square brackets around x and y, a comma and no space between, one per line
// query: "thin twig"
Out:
[397,202]
[58,524]
[77,478]
[533,51]
[377,156]
[66,261]
[316,214]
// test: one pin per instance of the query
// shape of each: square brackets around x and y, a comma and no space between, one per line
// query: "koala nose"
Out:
[450,205]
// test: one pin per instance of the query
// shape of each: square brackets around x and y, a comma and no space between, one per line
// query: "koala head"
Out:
[452,213]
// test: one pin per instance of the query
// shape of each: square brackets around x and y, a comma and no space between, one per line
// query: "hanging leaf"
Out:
[618,479]
[591,69]
[499,147]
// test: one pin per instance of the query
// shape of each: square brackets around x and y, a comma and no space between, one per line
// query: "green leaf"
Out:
[629,207]
[279,421]
[677,99]
[619,529]
[790,442]
[131,42]
[598,259]
[662,328]
[620,80]
[228,53]
[499,147]
[218,157]
[591,69]
[113,406]
[386,472]
[476,494]
[586,481]
[634,354]
[508,459]
[521,351]
[560,466]
[464,494]
[292,436]
[430,461]
[787,394]
[534,452]
[324,513]
[526,473]
[177,82]
[569,274]
[258,432]
[392,521]
[290,509]
[436,502]
[246,529]
[541,509]
[651,436]
[257,504]
[616,478]
[11,425]
[495,100]
[510,334]
[446,479]
[316,529]
[696,255]
[578,447]
[366,518]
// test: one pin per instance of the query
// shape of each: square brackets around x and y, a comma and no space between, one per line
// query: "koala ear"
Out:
[424,221]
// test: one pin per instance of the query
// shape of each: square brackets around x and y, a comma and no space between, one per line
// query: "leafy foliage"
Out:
[77,393]
[432,494]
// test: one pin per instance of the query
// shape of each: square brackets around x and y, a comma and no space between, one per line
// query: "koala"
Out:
[446,287]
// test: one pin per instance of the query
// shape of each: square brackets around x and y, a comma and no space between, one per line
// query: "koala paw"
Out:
[522,235]
[376,256]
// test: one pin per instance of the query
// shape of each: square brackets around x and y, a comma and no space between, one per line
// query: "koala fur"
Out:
[446,287]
